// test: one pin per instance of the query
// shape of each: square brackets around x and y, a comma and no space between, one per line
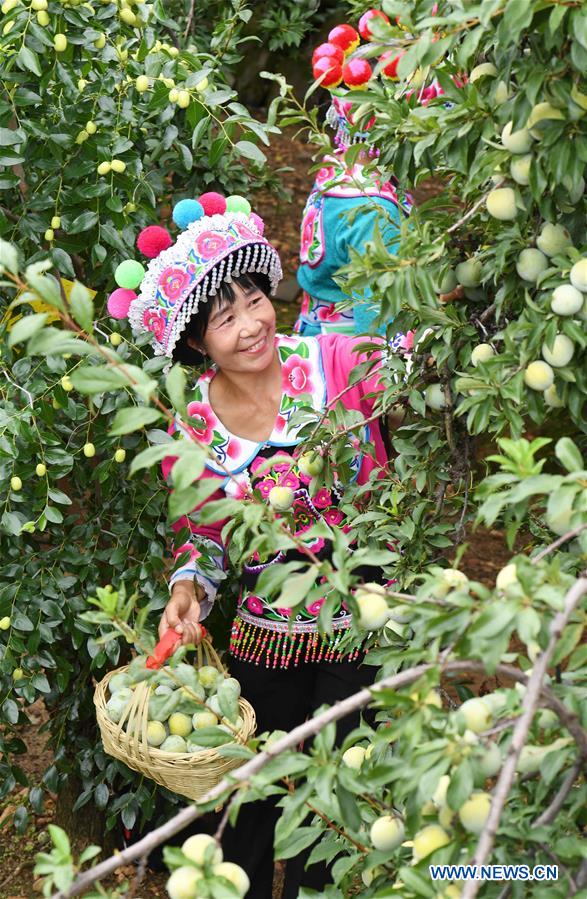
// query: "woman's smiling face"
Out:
[240,336]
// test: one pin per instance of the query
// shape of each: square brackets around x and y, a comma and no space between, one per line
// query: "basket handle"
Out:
[167,646]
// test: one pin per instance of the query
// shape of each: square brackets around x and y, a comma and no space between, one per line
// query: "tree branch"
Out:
[565,537]
[520,733]
[289,741]
[550,813]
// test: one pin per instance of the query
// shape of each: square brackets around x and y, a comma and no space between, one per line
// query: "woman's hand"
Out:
[182,612]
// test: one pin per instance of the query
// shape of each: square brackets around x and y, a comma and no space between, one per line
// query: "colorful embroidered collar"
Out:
[302,377]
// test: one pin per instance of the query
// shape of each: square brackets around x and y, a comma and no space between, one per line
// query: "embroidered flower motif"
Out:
[316,545]
[210,244]
[255,605]
[173,282]
[297,376]
[328,313]
[308,227]
[280,423]
[246,232]
[233,448]
[265,487]
[333,516]
[325,174]
[314,607]
[289,480]
[286,613]
[154,320]
[322,498]
[205,433]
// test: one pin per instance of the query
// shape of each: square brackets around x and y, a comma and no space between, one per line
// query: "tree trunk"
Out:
[87,825]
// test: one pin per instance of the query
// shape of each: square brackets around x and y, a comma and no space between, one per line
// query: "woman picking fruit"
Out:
[208,295]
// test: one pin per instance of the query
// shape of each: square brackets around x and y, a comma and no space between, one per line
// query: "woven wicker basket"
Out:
[188,774]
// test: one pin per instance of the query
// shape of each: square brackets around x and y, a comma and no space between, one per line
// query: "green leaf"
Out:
[152,455]
[568,455]
[10,137]
[460,786]
[28,59]
[182,501]
[188,469]
[8,258]
[250,151]
[51,341]
[300,840]
[175,384]
[82,307]
[348,807]
[60,839]
[297,587]
[90,379]
[132,418]
[26,327]
[83,222]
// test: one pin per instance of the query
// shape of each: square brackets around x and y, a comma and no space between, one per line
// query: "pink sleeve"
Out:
[339,359]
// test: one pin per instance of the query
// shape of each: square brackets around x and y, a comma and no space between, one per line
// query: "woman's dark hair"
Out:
[197,325]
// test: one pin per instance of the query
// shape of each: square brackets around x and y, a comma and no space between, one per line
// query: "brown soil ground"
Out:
[486,554]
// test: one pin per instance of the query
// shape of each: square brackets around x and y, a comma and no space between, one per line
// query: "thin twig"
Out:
[189,19]
[554,858]
[224,820]
[521,730]
[550,813]
[568,536]
[476,206]
[581,880]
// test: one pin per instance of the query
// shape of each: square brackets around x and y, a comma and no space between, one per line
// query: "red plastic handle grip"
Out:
[167,646]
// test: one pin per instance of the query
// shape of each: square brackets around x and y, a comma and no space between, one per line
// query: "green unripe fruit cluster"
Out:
[561,352]
[517,142]
[566,300]
[531,264]
[553,239]
[539,375]
[469,273]
[501,204]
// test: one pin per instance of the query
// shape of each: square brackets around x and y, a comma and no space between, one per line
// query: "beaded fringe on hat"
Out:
[262,645]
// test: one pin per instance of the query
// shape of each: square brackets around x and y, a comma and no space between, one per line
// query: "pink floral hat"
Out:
[221,239]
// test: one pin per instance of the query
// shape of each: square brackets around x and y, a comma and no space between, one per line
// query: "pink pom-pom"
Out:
[213,203]
[153,240]
[257,222]
[119,302]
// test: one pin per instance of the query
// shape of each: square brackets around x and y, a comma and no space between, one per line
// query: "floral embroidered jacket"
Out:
[342,211]
[316,366]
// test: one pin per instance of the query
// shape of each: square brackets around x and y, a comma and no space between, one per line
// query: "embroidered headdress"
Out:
[221,239]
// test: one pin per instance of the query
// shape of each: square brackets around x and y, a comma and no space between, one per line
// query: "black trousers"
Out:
[282,699]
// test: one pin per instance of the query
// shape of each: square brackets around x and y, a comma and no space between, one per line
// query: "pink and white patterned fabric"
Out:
[315,370]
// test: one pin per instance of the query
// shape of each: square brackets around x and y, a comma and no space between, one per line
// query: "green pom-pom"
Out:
[129,274]
[238,204]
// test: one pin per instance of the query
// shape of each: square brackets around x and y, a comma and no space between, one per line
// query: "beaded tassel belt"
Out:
[276,644]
